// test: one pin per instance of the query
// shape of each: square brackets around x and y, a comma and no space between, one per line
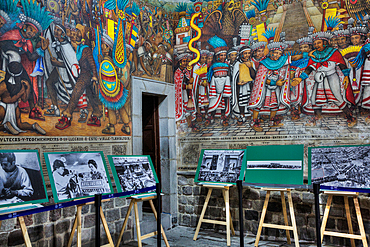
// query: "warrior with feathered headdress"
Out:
[8,15]
[17,45]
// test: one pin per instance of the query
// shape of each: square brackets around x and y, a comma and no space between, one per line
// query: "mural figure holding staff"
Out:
[328,83]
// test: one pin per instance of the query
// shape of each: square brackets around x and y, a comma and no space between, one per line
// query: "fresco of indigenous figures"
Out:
[272,66]
[66,66]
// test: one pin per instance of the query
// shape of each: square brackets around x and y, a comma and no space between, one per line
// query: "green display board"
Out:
[275,165]
[77,175]
[221,166]
[133,173]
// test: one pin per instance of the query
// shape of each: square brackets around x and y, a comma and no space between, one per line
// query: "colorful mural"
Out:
[66,66]
[271,67]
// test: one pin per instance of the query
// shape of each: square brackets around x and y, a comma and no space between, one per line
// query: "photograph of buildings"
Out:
[341,166]
[220,165]
[286,165]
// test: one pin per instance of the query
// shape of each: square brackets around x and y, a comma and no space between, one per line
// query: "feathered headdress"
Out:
[358,29]
[341,32]
[218,44]
[269,34]
[8,9]
[332,22]
[35,15]
[258,45]
[322,35]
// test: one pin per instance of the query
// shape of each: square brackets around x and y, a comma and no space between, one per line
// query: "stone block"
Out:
[181,209]
[337,211]
[338,200]
[187,190]
[124,211]
[120,202]
[330,224]
[112,215]
[189,209]
[54,215]
[251,193]
[3,239]
[43,243]
[186,220]
[274,207]
[196,190]
[69,212]
[15,238]
[89,221]
[251,215]
[48,230]
[108,205]
[303,208]
[86,208]
[8,225]
[308,198]
[62,226]
[296,197]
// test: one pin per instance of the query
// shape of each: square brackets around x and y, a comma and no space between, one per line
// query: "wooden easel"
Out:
[133,203]
[286,227]
[26,238]
[351,236]
[77,224]
[228,223]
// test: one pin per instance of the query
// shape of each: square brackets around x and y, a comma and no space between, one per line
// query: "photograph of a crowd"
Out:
[133,172]
[346,166]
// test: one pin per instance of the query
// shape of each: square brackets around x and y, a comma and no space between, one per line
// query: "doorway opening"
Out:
[151,138]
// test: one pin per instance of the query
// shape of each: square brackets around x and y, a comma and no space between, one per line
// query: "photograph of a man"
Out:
[21,178]
[17,181]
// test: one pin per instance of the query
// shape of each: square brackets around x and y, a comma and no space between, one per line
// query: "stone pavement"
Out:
[181,236]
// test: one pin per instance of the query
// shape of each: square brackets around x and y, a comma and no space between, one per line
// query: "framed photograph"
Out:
[77,175]
[345,168]
[133,173]
[220,166]
[21,178]
[275,165]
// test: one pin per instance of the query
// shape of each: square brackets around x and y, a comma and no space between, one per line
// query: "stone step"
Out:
[149,224]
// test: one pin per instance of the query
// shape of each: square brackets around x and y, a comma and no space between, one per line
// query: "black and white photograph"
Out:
[133,172]
[21,178]
[279,165]
[346,167]
[220,166]
[75,175]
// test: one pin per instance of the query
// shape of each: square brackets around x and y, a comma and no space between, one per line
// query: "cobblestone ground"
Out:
[331,124]
[183,237]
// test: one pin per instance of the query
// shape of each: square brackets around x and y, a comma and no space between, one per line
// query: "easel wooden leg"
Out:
[285,216]
[360,222]
[231,219]
[162,231]
[137,220]
[75,223]
[349,220]
[227,217]
[202,214]
[326,216]
[263,214]
[26,238]
[106,228]
[292,218]
[79,227]
[125,222]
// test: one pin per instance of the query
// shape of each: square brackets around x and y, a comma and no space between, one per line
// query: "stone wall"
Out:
[192,197]
[53,228]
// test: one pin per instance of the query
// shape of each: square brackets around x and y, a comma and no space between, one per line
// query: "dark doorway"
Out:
[151,135]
